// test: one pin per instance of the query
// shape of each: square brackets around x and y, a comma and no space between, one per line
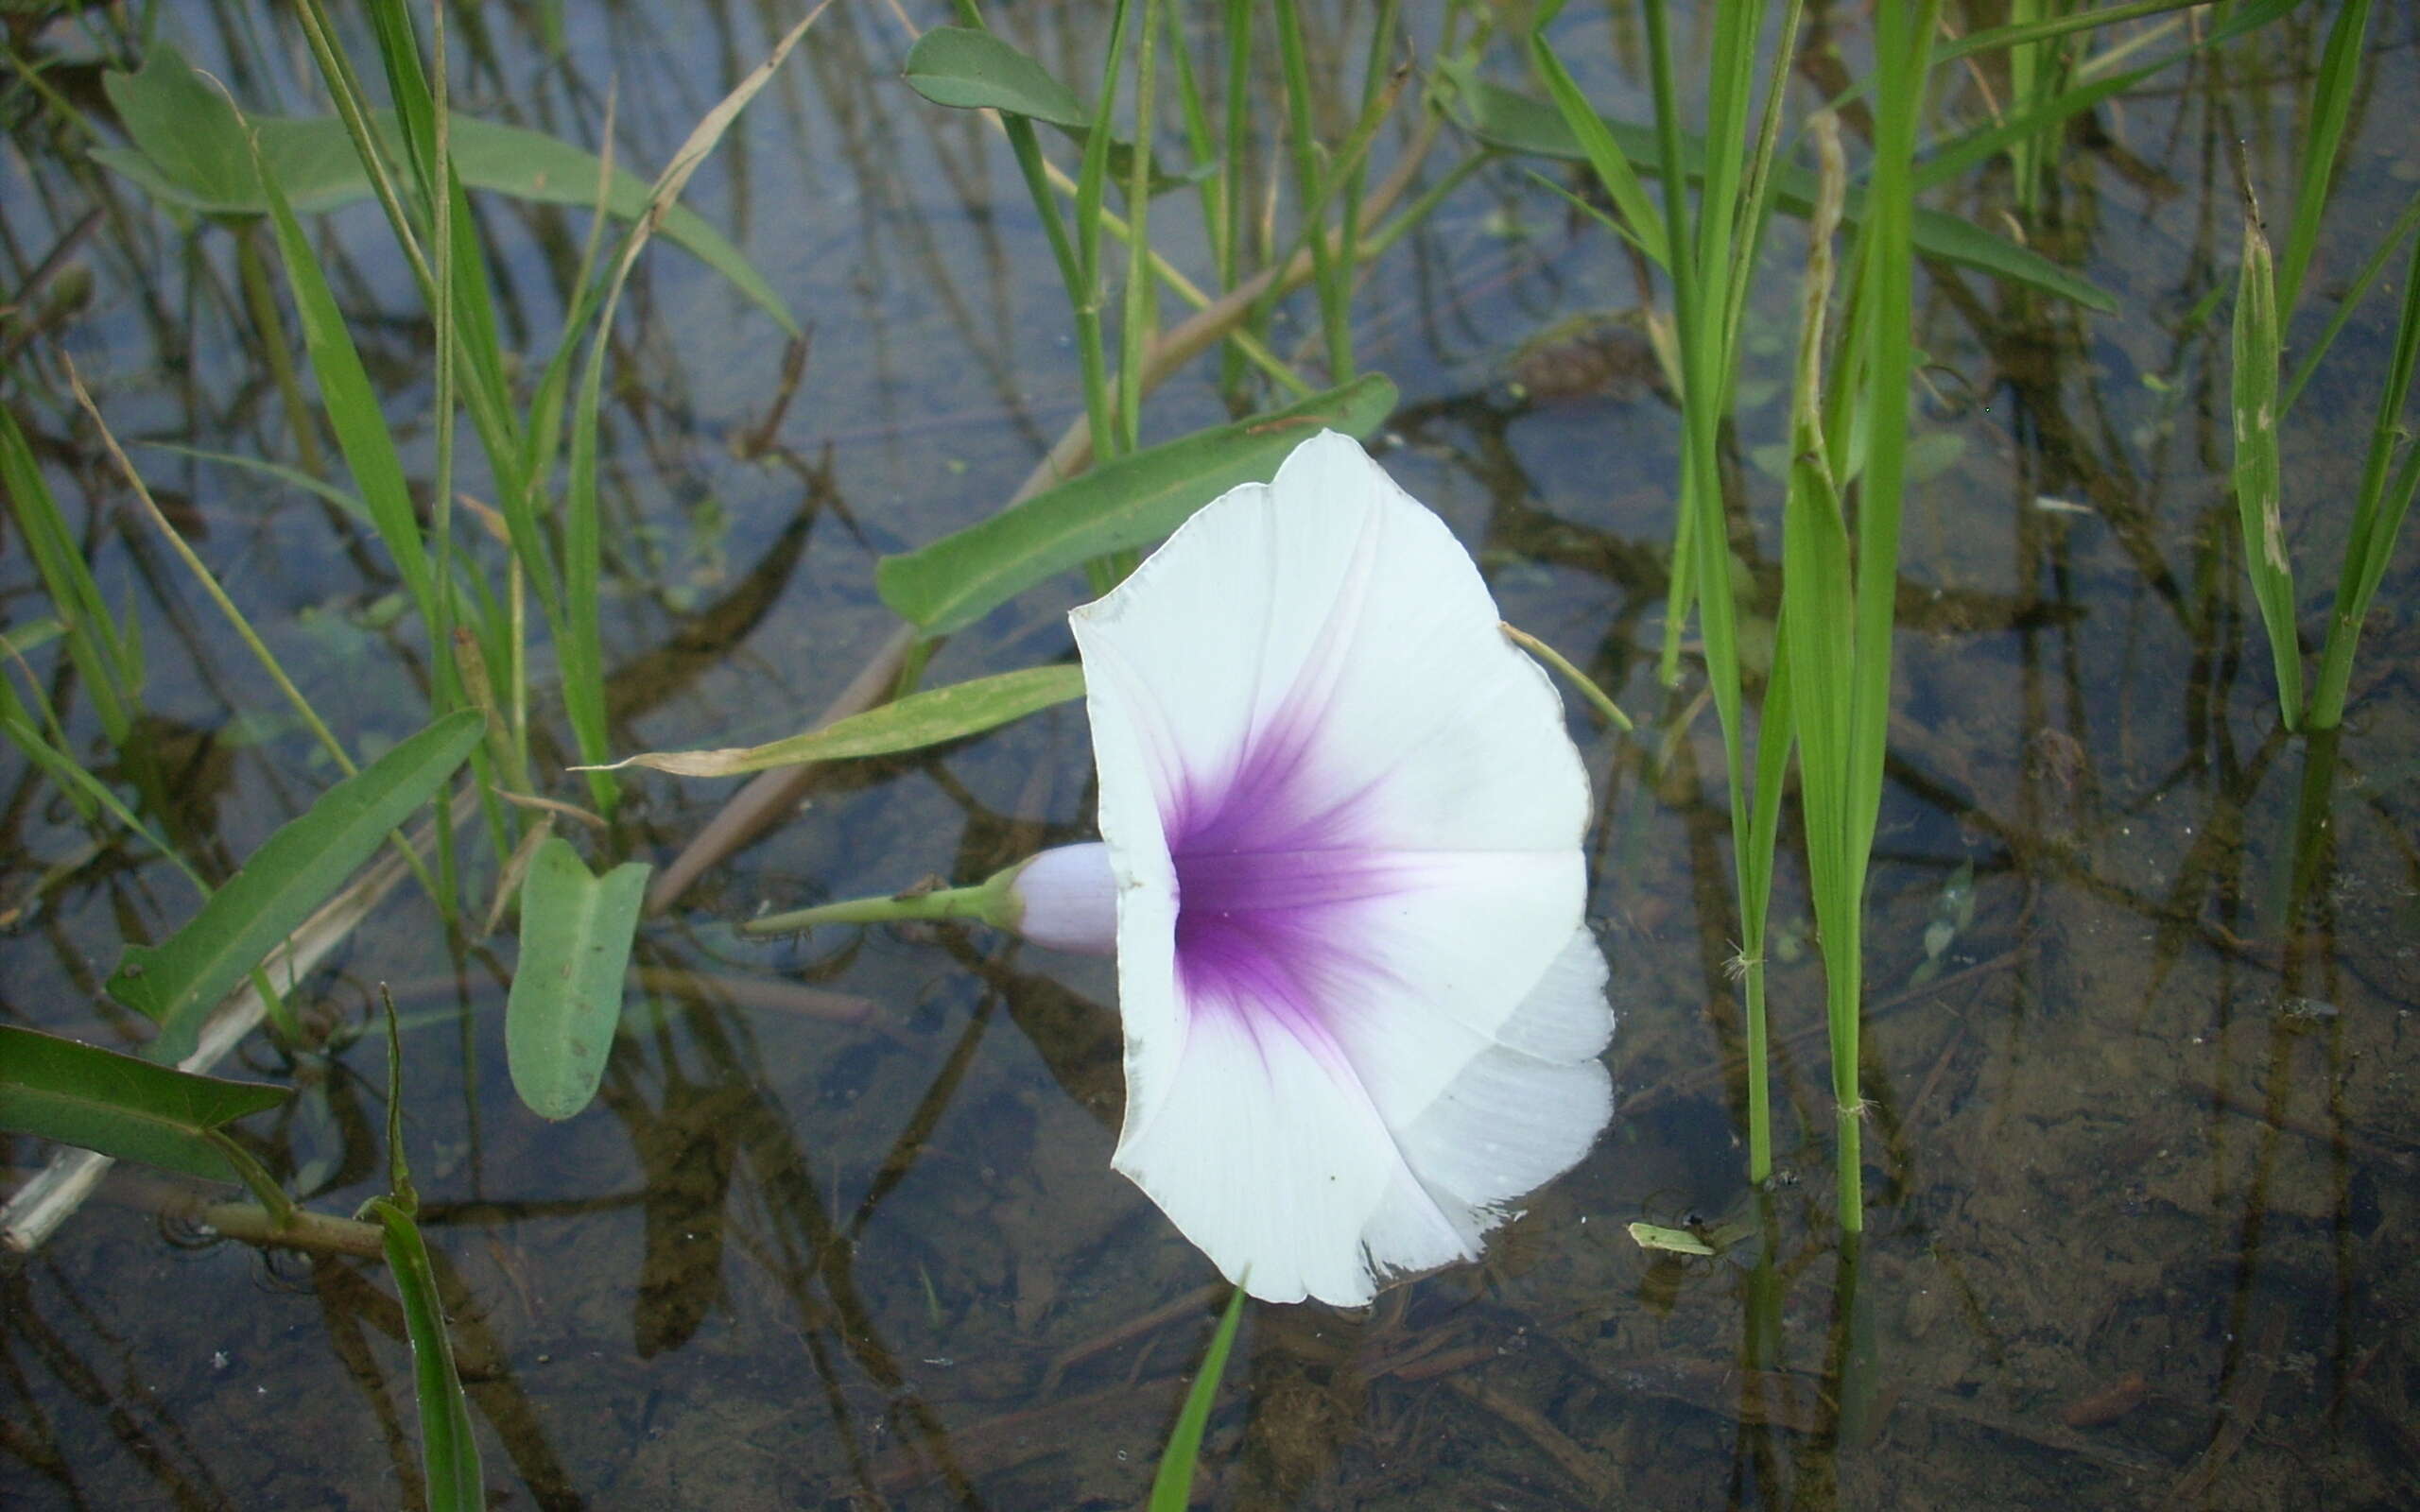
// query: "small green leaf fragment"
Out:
[1671,1241]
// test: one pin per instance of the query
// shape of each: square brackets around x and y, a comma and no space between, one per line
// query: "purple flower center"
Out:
[1270,864]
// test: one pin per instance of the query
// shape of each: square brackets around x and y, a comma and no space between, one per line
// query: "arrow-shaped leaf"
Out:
[120,1105]
[176,983]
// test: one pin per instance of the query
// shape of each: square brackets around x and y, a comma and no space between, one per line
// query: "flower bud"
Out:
[1067,899]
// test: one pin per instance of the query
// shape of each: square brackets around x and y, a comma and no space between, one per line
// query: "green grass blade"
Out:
[1117,506]
[1138,315]
[931,717]
[352,404]
[101,658]
[2258,486]
[2378,511]
[1516,123]
[2331,105]
[2039,117]
[1172,1488]
[567,997]
[1331,272]
[449,1450]
[1590,131]
[119,1105]
[581,645]
[2372,267]
[176,983]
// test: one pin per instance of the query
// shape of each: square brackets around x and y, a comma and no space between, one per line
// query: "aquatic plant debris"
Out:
[1342,813]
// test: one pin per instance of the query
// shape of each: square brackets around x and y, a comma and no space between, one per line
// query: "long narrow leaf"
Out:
[1172,1488]
[567,997]
[921,719]
[1118,506]
[92,644]
[582,647]
[449,1450]
[1519,124]
[176,982]
[352,403]
[2258,486]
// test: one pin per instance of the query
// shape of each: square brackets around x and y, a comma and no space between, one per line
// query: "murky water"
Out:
[840,1230]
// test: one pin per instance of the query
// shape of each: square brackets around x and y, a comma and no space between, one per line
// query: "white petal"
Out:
[1256,1159]
[1514,1118]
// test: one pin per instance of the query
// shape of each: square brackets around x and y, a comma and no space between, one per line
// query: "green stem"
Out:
[1585,684]
[261,302]
[989,902]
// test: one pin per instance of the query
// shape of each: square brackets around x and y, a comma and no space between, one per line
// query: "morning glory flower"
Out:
[1340,823]
[1340,868]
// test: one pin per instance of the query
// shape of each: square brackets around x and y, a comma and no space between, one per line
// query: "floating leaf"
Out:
[1118,506]
[566,994]
[189,152]
[119,1105]
[449,1451]
[1516,123]
[921,719]
[175,983]
[1671,1241]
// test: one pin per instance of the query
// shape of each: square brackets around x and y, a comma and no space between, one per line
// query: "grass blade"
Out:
[1172,1488]
[102,659]
[174,984]
[449,1450]
[931,717]
[2378,511]
[1516,123]
[567,997]
[582,649]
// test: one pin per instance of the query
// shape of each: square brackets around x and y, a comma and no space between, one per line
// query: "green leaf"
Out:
[1172,1488]
[973,69]
[1516,123]
[449,1450]
[1118,506]
[177,982]
[189,153]
[2258,477]
[352,404]
[566,994]
[968,68]
[122,1106]
[921,719]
